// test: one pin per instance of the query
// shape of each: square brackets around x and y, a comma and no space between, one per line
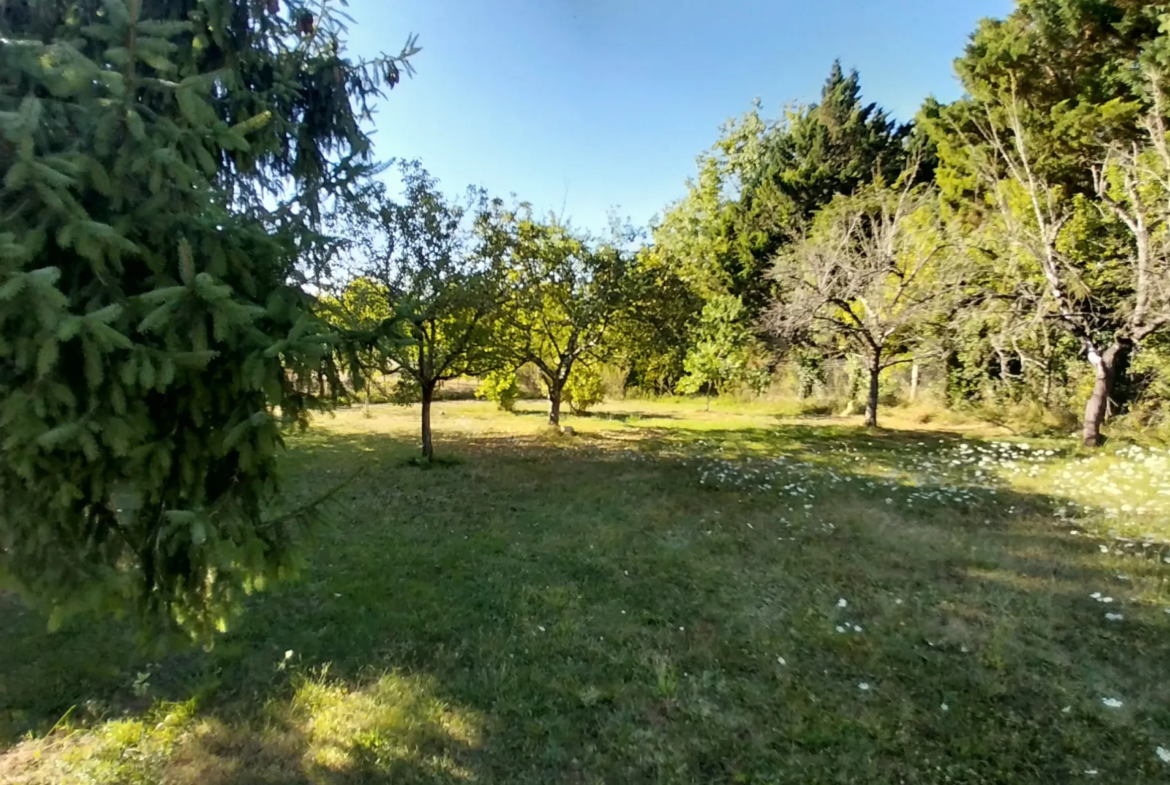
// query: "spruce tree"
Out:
[830,148]
[151,325]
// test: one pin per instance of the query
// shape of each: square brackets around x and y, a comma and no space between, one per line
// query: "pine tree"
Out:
[758,189]
[831,148]
[150,324]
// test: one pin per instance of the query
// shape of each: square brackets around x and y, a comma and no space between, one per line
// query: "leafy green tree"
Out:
[652,335]
[1070,67]
[726,352]
[810,370]
[361,313]
[754,195]
[567,297]
[423,259]
[1060,83]
[868,275]
[763,181]
[1056,147]
[152,329]
[1110,306]
[698,238]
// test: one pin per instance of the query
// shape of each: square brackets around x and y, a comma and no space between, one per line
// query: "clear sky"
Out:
[593,104]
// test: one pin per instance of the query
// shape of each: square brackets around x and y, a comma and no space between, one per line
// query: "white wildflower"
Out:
[1163,754]
[1114,616]
[863,686]
[1112,703]
[842,603]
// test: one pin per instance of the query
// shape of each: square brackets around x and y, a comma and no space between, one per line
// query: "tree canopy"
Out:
[568,294]
[421,270]
[725,353]
[868,275]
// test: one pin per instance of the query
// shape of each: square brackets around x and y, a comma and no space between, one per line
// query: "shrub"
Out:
[584,390]
[810,372]
[819,407]
[406,390]
[501,387]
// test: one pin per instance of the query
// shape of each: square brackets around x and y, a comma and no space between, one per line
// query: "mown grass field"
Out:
[670,596]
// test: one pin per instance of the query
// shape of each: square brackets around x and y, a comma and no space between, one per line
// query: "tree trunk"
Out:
[913,381]
[554,405]
[367,411]
[1105,367]
[871,401]
[428,447]
[708,397]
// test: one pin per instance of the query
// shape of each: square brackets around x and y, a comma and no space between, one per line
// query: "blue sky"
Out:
[593,104]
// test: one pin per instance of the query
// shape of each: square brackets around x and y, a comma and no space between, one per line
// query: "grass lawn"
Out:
[669,596]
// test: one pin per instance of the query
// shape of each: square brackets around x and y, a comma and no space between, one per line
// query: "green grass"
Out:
[654,600]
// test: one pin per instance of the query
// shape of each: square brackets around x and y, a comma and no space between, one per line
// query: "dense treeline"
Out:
[1014,241]
[1016,237]
[197,252]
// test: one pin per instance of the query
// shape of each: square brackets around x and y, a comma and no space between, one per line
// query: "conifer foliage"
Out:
[150,321]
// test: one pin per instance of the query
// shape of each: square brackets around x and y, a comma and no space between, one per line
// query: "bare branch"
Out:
[868,272]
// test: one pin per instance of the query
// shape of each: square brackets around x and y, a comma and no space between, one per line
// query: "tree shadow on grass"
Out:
[630,416]
[573,610]
[626,416]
